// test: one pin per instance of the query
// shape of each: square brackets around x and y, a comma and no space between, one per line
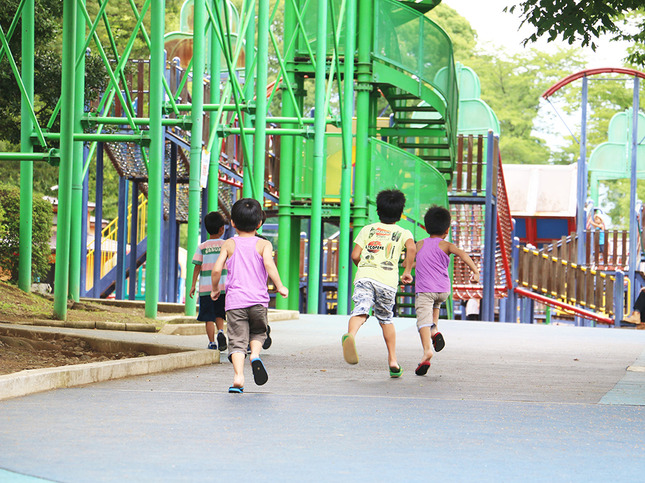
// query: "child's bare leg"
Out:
[256,345]
[219,322]
[355,322]
[237,358]
[210,331]
[424,334]
[389,334]
[435,318]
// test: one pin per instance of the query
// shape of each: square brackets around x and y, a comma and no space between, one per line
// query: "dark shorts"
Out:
[245,325]
[210,309]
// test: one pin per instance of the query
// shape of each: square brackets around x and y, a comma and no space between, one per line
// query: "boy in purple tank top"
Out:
[249,260]
[432,284]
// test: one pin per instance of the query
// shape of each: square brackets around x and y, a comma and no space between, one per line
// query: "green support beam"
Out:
[194,186]
[61,271]
[157,155]
[26,146]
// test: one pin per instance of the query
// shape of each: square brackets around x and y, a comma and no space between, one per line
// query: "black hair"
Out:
[437,220]
[247,214]
[389,205]
[213,222]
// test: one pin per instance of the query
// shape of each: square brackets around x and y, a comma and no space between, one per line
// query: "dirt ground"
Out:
[18,307]
[19,353]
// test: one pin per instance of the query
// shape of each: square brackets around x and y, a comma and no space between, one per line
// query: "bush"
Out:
[10,234]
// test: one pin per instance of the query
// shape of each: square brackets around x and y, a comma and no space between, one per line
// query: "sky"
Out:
[494,26]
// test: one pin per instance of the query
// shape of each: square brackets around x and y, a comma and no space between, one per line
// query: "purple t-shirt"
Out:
[246,282]
[432,268]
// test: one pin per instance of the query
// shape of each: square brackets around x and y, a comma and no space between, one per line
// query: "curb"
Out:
[39,380]
[86,324]
[187,325]
[165,358]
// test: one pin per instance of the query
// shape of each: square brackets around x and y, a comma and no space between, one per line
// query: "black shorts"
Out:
[210,309]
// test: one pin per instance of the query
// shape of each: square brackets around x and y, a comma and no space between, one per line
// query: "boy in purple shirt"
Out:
[249,260]
[432,284]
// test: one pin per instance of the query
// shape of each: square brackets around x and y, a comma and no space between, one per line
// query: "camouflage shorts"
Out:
[368,295]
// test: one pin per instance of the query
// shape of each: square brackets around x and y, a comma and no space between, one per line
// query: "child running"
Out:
[376,253]
[211,311]
[249,259]
[432,284]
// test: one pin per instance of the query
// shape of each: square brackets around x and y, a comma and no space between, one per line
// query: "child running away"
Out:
[249,259]
[211,311]
[377,252]
[432,285]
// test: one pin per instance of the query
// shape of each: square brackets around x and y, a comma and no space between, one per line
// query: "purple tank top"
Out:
[432,268]
[246,282]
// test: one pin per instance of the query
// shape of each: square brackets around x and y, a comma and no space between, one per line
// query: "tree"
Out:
[586,21]
[42,224]
[512,87]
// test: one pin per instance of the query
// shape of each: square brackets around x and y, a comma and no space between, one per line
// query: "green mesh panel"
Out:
[308,11]
[412,42]
[423,185]
[304,168]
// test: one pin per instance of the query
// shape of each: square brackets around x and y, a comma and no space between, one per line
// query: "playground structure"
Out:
[192,145]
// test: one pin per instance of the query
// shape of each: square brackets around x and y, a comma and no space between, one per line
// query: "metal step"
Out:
[423,146]
[415,109]
[435,122]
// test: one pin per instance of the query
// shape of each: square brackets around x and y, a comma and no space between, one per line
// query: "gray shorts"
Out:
[425,303]
[245,325]
[368,295]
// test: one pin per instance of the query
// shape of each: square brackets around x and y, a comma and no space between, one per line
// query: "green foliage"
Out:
[461,34]
[619,201]
[42,224]
[513,87]
[586,21]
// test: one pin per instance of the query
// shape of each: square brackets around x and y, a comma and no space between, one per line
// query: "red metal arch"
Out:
[588,72]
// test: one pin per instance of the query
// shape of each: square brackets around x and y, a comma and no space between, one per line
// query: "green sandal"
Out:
[349,349]
[396,371]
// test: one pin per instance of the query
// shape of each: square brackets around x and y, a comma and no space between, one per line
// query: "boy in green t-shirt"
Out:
[376,253]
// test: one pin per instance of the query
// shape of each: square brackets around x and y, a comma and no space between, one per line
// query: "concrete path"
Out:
[502,402]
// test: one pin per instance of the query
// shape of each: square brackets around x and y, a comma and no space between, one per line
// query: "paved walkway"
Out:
[502,402]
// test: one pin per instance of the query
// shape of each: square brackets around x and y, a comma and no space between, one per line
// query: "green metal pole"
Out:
[26,167]
[286,171]
[77,167]
[315,237]
[215,98]
[197,115]
[247,190]
[344,242]
[61,271]
[261,101]
[363,88]
[155,172]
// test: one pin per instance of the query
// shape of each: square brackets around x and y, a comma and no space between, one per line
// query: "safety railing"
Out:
[567,282]
[109,241]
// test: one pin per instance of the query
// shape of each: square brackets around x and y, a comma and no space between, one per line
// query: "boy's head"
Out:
[389,205]
[247,214]
[437,220]
[214,222]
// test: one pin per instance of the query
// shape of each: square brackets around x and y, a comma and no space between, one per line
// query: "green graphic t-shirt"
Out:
[381,246]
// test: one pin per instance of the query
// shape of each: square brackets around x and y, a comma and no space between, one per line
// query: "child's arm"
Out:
[454,249]
[272,270]
[216,273]
[196,271]
[356,254]
[408,261]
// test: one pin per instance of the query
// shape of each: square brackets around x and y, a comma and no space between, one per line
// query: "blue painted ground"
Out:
[502,402]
